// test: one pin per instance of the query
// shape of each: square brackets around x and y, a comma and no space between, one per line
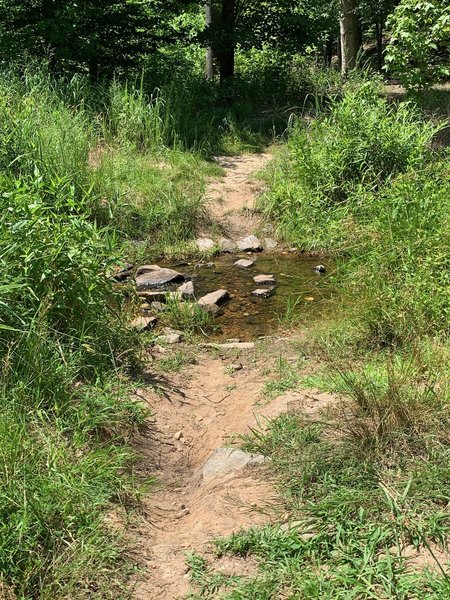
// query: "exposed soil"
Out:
[205,406]
[232,198]
[197,411]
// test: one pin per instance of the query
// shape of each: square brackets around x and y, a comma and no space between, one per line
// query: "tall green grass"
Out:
[65,417]
[362,182]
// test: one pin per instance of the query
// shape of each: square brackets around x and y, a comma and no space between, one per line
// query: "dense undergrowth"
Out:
[91,173]
[364,485]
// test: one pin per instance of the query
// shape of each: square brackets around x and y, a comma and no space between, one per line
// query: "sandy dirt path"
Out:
[198,411]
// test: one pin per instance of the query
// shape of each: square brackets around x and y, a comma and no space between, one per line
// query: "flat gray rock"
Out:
[152,296]
[158,278]
[214,298]
[143,323]
[231,346]
[187,289]
[205,244]
[171,336]
[263,292]
[244,263]
[250,244]
[229,460]
[264,279]
[147,269]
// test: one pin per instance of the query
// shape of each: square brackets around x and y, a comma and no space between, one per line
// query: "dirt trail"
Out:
[196,413]
[232,198]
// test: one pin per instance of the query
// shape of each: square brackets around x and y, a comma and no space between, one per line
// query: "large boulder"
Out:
[157,278]
[250,244]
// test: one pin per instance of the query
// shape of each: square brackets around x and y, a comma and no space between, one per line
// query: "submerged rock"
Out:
[151,279]
[263,292]
[244,263]
[250,243]
[264,279]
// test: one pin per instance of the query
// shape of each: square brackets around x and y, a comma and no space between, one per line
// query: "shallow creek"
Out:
[247,317]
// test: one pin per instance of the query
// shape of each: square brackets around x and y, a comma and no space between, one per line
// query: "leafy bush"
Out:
[400,270]
[39,130]
[419,47]
[362,142]
[59,257]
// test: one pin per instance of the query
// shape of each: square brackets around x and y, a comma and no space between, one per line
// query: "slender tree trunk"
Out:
[328,52]
[226,55]
[379,28]
[209,68]
[339,54]
[349,35]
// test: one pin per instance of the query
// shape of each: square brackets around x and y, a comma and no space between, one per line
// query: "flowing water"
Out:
[299,291]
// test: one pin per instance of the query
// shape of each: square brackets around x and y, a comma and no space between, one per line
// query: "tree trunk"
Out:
[328,52]
[209,68]
[226,55]
[379,28]
[348,19]
[339,54]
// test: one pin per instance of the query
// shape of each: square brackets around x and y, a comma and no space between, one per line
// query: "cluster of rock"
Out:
[156,286]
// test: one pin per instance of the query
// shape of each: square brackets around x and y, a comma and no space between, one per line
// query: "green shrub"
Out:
[38,130]
[418,50]
[400,269]
[361,143]
[60,257]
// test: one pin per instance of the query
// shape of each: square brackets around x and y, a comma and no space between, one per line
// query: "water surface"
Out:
[247,317]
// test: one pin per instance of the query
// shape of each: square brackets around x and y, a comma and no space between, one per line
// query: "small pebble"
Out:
[178,435]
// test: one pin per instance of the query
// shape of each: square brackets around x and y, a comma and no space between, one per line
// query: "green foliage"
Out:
[38,130]
[357,182]
[362,142]
[59,257]
[96,36]
[419,48]
[399,271]
[64,427]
